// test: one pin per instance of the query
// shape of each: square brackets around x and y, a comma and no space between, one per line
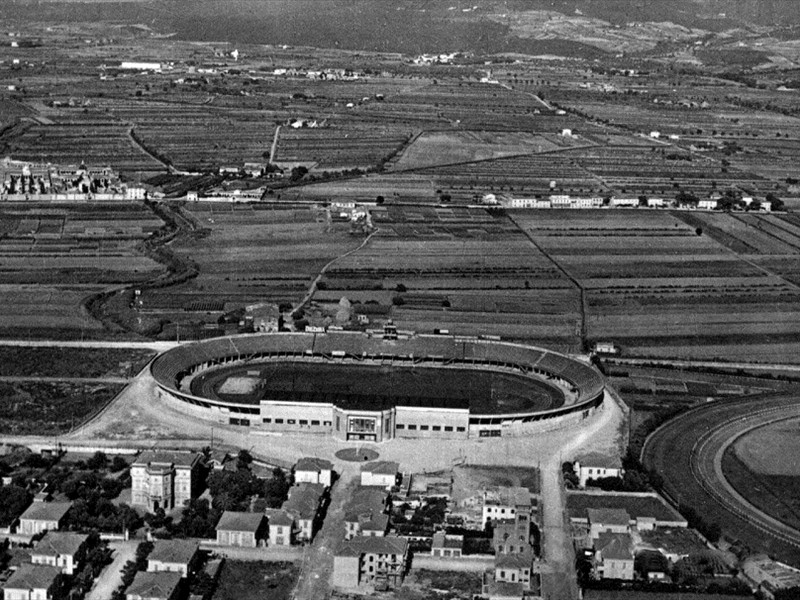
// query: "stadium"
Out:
[378,385]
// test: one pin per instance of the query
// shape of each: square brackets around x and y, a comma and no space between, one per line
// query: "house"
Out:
[242,529]
[514,568]
[173,556]
[447,546]
[304,505]
[504,503]
[370,561]
[148,585]
[594,465]
[377,526]
[381,473]
[770,575]
[613,556]
[508,538]
[710,204]
[281,527]
[33,582]
[64,550]
[364,506]
[607,520]
[313,470]
[164,479]
[43,516]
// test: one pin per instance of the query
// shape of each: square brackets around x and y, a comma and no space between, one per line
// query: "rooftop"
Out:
[308,463]
[56,543]
[46,511]
[381,467]
[373,545]
[173,551]
[603,461]
[32,577]
[304,499]
[278,517]
[514,561]
[376,523]
[156,457]
[615,546]
[442,540]
[240,521]
[154,585]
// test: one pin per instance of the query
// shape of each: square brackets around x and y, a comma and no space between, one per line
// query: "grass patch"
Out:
[21,361]
[45,408]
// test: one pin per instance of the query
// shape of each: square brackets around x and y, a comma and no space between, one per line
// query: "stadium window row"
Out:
[303,422]
[413,427]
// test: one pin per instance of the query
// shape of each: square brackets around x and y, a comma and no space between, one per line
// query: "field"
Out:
[253,580]
[762,450]
[775,494]
[50,408]
[28,361]
[657,287]
[52,257]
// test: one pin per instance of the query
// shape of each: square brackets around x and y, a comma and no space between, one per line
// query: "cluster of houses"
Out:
[584,202]
[25,181]
[369,556]
[298,519]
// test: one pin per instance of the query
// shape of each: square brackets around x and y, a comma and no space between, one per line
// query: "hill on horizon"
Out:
[405,26]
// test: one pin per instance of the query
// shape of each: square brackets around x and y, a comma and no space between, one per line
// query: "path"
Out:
[158,346]
[274,148]
[111,577]
[39,379]
[314,581]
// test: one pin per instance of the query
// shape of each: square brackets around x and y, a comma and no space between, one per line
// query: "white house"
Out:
[596,466]
[614,556]
[32,582]
[381,473]
[60,549]
[313,470]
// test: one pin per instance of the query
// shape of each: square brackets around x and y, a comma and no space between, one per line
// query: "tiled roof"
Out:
[381,467]
[304,500]
[373,545]
[32,577]
[514,561]
[46,511]
[376,523]
[313,464]
[173,551]
[602,461]
[442,540]
[614,546]
[240,521]
[278,517]
[154,585]
[56,543]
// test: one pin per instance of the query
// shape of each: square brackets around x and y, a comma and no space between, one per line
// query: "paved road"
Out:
[314,582]
[159,346]
[37,379]
[111,577]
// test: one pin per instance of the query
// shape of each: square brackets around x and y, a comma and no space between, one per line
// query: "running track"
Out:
[687,451]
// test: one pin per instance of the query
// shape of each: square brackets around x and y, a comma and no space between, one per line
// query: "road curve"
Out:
[687,451]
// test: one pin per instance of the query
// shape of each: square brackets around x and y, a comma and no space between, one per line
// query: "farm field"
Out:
[657,288]
[459,269]
[52,257]
[248,256]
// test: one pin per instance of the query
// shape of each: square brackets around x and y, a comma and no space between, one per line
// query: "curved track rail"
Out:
[687,451]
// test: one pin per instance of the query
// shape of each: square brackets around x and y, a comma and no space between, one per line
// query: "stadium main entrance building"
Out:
[376,387]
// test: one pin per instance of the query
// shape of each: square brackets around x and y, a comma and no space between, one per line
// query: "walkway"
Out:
[317,568]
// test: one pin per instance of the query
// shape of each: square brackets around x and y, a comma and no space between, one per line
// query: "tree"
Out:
[276,488]
[97,461]
[13,501]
